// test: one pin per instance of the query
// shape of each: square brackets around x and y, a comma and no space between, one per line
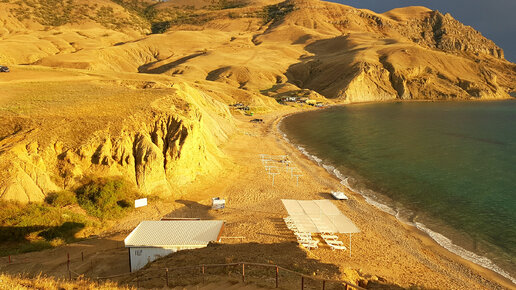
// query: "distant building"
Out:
[290,99]
[151,240]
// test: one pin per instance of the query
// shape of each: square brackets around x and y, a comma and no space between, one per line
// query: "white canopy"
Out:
[318,216]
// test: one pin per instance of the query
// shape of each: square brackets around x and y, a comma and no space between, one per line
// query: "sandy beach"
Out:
[385,249]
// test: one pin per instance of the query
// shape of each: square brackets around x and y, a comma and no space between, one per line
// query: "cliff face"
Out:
[445,33]
[159,151]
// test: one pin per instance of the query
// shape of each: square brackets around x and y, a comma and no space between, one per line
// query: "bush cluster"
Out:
[61,198]
[36,226]
[106,199]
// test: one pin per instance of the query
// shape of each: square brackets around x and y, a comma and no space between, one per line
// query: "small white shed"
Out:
[151,240]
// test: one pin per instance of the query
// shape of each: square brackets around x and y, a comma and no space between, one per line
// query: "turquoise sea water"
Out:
[447,167]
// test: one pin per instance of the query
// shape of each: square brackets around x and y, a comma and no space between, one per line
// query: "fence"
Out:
[279,276]
[166,276]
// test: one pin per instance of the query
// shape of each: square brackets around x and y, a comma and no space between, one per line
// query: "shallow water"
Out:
[447,167]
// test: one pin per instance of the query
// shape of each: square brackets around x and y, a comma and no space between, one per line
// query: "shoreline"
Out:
[473,260]
[385,250]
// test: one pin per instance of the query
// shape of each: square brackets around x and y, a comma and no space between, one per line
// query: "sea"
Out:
[447,168]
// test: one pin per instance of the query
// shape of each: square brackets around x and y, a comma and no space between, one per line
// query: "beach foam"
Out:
[371,198]
[468,255]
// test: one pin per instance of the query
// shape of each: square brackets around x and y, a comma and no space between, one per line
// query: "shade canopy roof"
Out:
[174,233]
[318,216]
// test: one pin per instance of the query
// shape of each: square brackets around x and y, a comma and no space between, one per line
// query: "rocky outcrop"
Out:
[445,33]
[158,152]
[24,176]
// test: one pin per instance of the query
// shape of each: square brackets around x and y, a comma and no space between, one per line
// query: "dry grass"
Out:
[43,282]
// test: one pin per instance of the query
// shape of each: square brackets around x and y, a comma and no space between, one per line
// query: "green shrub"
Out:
[37,226]
[106,199]
[160,27]
[276,12]
[65,232]
[61,198]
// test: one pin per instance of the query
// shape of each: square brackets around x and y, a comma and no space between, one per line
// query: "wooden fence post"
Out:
[68,262]
[82,256]
[277,272]
[323,284]
[9,259]
[203,274]
[166,275]
[243,273]
[302,282]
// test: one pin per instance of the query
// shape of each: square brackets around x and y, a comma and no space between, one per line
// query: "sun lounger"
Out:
[337,247]
[309,244]
[334,242]
[329,237]
[303,235]
[291,226]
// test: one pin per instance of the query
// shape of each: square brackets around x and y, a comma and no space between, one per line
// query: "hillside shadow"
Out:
[146,68]
[286,254]
[90,258]
[66,232]
[219,263]
[18,234]
[191,209]
[311,72]
[14,240]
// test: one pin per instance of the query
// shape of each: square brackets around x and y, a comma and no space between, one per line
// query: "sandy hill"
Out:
[132,87]
[142,90]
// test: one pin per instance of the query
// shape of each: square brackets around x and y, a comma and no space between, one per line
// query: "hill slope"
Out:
[142,90]
[161,96]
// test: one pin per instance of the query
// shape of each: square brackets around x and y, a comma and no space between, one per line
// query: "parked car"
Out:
[4,69]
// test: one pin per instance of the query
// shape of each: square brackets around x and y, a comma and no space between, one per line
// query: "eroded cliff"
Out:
[158,150]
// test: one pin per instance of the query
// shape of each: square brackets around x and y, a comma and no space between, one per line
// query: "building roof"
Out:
[318,216]
[174,233]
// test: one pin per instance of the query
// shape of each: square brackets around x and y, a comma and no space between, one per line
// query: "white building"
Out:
[151,240]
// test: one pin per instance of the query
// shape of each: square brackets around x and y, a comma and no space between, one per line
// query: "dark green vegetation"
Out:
[276,12]
[64,216]
[106,199]
[144,16]
[60,12]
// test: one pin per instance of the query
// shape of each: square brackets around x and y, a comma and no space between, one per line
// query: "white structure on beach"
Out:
[318,216]
[151,240]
